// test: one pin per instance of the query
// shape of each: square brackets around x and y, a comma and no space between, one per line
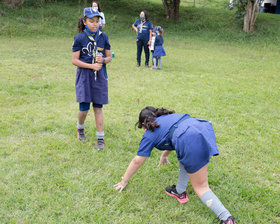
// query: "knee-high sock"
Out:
[154,61]
[183,179]
[159,62]
[213,202]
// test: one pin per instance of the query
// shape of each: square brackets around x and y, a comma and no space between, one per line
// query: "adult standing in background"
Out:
[96,6]
[143,28]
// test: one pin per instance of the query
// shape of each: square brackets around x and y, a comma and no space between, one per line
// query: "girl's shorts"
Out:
[86,106]
[195,143]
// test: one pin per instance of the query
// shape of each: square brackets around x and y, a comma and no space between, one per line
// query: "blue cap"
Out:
[91,12]
[158,28]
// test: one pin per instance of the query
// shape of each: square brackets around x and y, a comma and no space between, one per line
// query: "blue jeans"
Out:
[140,45]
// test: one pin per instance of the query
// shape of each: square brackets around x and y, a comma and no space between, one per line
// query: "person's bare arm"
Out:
[135,164]
[150,38]
[134,27]
[164,157]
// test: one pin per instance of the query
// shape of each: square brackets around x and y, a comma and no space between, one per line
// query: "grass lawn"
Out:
[212,71]
[48,176]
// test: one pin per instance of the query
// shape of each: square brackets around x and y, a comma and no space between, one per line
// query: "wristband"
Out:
[103,61]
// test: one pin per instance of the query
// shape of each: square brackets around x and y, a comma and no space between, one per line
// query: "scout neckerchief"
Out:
[93,40]
[141,26]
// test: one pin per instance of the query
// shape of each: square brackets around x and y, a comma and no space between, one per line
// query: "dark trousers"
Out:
[140,45]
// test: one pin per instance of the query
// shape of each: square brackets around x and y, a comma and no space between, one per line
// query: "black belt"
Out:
[174,126]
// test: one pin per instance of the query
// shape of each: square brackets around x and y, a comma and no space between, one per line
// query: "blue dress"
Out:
[159,50]
[89,89]
[193,140]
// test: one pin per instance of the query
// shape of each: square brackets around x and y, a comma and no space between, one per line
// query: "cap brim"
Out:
[92,15]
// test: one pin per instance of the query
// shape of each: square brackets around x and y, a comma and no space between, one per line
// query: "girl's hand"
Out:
[96,66]
[120,186]
[163,160]
[99,59]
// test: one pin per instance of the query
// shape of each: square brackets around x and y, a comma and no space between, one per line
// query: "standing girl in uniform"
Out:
[91,51]
[194,142]
[159,50]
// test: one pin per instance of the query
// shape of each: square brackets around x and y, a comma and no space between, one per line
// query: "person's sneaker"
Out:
[100,144]
[229,220]
[137,65]
[182,198]
[81,134]
[147,65]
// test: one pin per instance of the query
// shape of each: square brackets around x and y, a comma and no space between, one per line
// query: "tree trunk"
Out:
[252,11]
[13,3]
[171,8]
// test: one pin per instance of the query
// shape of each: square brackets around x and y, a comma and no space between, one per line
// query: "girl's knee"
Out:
[97,110]
[200,190]
[83,112]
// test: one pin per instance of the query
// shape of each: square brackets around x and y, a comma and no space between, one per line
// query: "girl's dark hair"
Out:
[98,5]
[81,25]
[146,15]
[147,117]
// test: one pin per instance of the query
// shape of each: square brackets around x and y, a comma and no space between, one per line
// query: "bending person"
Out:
[194,142]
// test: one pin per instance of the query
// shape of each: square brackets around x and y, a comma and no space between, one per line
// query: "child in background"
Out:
[158,48]
[91,50]
[152,46]
[102,22]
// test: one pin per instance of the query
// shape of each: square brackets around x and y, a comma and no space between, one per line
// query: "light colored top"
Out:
[152,46]
[102,21]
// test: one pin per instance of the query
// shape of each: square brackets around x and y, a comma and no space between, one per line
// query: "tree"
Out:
[13,3]
[249,10]
[171,8]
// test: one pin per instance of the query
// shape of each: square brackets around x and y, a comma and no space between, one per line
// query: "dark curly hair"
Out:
[81,25]
[147,117]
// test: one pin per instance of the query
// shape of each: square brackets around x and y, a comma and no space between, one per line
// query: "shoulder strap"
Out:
[174,126]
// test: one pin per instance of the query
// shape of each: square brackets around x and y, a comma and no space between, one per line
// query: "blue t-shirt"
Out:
[82,43]
[143,29]
[159,40]
[159,138]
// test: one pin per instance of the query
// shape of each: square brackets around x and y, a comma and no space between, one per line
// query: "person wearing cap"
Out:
[91,51]
[193,140]
[143,27]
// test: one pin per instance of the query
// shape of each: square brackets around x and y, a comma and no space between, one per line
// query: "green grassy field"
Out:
[48,176]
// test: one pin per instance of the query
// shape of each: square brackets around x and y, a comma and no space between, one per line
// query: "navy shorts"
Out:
[195,143]
[86,106]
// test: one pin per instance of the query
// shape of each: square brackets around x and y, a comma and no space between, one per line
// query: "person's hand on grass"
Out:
[163,160]
[121,185]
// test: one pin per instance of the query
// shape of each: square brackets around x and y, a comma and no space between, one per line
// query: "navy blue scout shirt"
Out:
[143,29]
[159,40]
[83,44]
[159,138]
